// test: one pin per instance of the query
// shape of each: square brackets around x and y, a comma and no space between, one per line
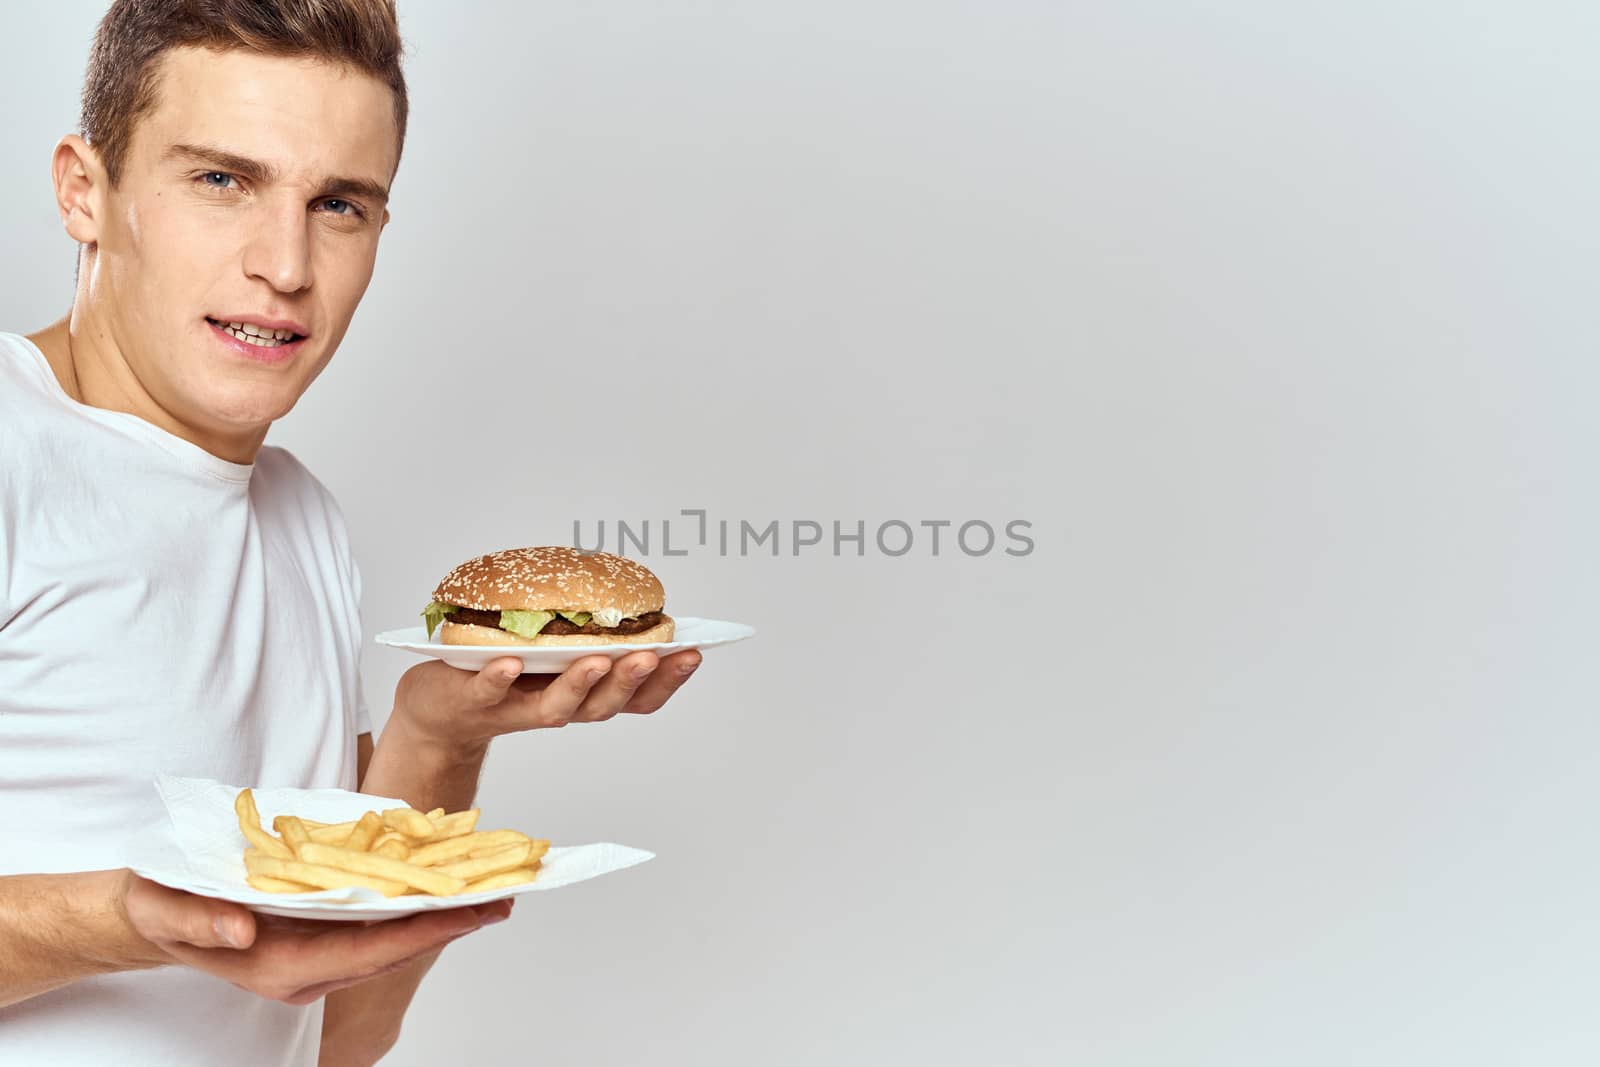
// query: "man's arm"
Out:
[58,928]
[430,754]
[362,1022]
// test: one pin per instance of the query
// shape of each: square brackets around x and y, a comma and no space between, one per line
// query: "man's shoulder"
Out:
[282,479]
[304,512]
[22,371]
[32,428]
[282,465]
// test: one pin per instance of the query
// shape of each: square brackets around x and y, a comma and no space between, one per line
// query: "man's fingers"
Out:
[591,689]
[561,701]
[617,689]
[312,994]
[492,912]
[490,684]
[377,946]
[558,700]
[664,681]
[283,963]
[594,689]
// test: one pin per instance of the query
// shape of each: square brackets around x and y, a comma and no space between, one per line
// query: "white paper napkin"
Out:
[201,851]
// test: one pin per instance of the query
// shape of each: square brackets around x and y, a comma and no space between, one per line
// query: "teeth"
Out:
[256,335]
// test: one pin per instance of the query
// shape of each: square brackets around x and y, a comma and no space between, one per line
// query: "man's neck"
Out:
[91,370]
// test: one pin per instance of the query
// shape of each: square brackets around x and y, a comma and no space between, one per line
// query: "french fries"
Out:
[500,881]
[505,859]
[277,885]
[455,848]
[366,831]
[395,852]
[429,881]
[409,822]
[293,831]
[454,824]
[391,844]
[330,833]
[316,874]
[244,805]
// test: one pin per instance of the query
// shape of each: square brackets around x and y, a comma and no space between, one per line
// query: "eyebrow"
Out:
[265,173]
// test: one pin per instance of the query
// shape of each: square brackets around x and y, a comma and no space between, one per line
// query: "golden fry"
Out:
[505,859]
[536,850]
[365,832]
[456,847]
[244,806]
[322,877]
[435,814]
[392,847]
[504,878]
[336,833]
[441,885]
[408,821]
[265,842]
[293,831]
[454,824]
[268,884]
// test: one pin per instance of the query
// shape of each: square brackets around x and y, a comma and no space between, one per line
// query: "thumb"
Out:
[229,926]
[489,685]
[172,915]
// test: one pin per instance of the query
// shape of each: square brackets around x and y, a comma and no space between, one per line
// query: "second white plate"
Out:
[199,849]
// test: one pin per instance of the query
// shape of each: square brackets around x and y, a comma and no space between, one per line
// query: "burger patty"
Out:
[558,625]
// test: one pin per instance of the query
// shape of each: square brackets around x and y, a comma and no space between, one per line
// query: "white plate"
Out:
[200,850]
[688,632]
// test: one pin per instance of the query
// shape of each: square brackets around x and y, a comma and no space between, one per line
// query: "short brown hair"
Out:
[120,84]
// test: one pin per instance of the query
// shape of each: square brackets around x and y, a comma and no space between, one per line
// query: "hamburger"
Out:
[549,595]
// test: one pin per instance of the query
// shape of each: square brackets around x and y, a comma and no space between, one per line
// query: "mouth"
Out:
[258,336]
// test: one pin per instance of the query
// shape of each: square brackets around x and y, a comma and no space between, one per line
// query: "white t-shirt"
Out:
[161,611]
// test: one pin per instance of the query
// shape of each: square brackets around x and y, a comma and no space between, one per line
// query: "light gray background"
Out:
[1275,320]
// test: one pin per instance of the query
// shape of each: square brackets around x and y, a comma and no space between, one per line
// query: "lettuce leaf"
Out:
[525,623]
[434,614]
[521,623]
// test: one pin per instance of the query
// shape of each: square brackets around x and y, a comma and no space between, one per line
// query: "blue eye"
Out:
[344,209]
[223,184]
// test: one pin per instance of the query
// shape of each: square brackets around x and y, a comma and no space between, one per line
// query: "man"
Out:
[176,597]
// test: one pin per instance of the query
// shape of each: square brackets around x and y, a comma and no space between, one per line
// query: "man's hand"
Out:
[288,960]
[442,705]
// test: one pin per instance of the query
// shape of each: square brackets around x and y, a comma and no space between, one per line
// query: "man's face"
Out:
[191,240]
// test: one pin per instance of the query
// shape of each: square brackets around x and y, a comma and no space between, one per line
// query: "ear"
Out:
[80,183]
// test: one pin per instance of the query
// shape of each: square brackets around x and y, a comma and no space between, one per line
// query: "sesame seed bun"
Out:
[550,578]
[455,633]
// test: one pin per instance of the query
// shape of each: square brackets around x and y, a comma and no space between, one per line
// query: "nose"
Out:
[279,250]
